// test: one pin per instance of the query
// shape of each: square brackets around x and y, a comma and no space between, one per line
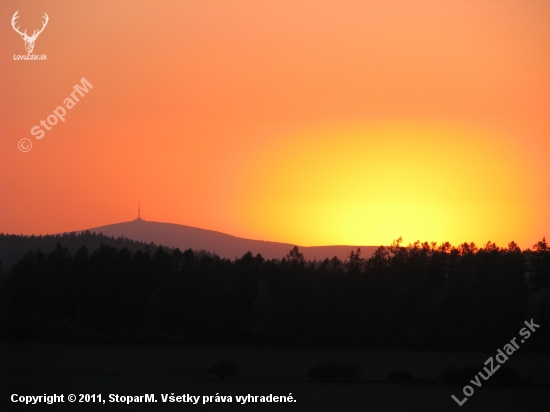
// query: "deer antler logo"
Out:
[29,40]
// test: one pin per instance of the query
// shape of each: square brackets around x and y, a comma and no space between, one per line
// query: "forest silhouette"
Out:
[424,296]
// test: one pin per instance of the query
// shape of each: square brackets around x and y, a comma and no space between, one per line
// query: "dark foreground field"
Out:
[35,369]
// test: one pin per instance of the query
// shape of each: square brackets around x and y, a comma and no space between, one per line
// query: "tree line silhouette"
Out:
[420,296]
[13,247]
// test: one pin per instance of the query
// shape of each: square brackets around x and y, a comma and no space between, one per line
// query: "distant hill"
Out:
[139,234]
[224,245]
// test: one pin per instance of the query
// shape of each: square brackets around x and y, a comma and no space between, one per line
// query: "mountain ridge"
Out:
[223,244]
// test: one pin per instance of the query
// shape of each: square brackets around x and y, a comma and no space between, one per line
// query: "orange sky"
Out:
[329,122]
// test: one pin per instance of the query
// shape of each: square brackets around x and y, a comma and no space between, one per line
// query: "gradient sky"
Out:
[315,123]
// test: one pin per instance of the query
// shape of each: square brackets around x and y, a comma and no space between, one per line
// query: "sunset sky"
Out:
[307,122]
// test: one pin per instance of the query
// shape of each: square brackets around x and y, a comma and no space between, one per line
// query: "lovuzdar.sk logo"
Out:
[29,40]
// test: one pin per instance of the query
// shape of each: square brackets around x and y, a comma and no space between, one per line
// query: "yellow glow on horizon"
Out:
[366,184]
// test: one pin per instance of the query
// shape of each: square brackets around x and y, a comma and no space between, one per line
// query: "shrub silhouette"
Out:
[330,372]
[400,377]
[223,369]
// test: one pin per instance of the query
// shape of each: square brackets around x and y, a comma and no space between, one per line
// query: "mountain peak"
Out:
[224,245]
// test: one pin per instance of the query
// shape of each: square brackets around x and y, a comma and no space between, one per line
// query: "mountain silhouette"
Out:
[224,245]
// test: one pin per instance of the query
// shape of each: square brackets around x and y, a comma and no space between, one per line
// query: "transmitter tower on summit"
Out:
[139,219]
